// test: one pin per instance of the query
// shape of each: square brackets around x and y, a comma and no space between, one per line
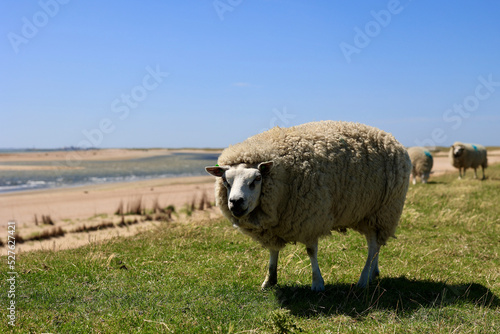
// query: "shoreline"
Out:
[74,166]
[19,205]
[92,205]
[111,154]
[104,183]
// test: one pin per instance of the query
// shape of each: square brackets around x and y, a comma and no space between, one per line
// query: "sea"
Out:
[99,172]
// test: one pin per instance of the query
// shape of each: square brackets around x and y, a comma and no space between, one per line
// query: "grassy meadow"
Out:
[441,275]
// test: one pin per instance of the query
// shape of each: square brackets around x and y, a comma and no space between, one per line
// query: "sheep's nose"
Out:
[236,206]
[238,202]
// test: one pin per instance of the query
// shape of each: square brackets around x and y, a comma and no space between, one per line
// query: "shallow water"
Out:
[96,172]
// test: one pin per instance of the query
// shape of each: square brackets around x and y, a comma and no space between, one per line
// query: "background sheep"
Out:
[421,161]
[297,184]
[468,156]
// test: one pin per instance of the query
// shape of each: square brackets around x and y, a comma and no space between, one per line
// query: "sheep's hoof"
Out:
[318,286]
[268,284]
[363,283]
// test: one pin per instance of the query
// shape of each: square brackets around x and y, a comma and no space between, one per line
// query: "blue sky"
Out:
[210,73]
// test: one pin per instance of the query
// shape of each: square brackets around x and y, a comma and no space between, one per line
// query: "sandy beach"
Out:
[73,207]
[70,208]
[87,201]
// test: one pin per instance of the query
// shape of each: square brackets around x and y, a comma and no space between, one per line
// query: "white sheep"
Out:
[421,161]
[298,184]
[468,156]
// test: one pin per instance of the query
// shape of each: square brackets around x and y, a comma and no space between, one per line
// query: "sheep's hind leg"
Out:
[370,271]
[318,284]
[272,274]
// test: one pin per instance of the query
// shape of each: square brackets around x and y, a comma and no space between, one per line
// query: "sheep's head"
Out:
[425,177]
[243,184]
[457,150]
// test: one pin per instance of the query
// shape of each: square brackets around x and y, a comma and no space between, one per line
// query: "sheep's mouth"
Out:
[238,213]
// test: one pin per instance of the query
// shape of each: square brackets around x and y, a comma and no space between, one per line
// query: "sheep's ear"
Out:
[265,167]
[216,170]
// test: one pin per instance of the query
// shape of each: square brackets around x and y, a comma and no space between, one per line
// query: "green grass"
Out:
[441,275]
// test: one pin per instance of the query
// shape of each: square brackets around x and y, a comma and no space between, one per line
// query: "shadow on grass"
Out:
[398,295]
[436,182]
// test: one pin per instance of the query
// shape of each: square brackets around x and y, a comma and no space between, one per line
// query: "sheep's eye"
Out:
[257,179]
[226,184]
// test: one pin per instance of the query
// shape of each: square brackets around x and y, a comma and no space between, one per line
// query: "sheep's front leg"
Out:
[272,274]
[370,271]
[317,280]
[475,173]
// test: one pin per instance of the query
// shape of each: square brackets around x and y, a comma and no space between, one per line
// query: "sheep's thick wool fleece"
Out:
[474,155]
[326,176]
[421,160]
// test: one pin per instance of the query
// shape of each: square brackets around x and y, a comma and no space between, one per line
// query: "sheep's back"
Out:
[478,155]
[474,155]
[421,159]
